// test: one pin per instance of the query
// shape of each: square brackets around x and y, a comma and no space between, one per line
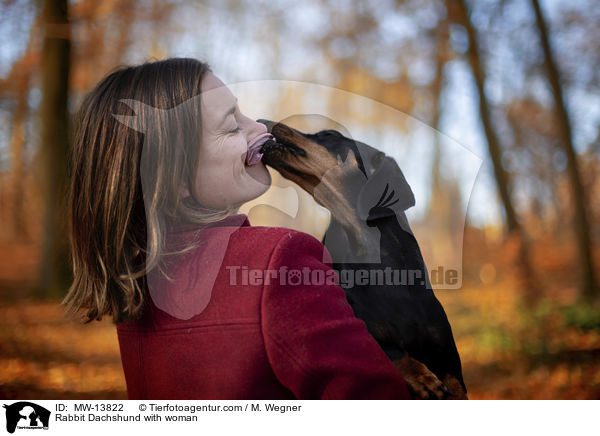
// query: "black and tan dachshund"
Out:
[367,194]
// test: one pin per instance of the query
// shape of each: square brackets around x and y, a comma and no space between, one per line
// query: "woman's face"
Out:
[223,178]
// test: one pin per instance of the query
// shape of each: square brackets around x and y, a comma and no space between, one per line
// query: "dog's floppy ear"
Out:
[386,188]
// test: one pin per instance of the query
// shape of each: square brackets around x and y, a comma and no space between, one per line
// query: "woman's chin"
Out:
[261,178]
[256,184]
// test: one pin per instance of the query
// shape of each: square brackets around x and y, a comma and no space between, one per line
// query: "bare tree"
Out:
[589,284]
[442,56]
[501,176]
[55,63]
[461,13]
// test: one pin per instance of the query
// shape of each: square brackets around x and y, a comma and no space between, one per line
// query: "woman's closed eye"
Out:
[236,130]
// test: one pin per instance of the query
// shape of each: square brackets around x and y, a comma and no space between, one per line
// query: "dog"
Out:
[367,194]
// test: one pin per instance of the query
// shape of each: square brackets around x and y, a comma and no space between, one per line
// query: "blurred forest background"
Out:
[516,81]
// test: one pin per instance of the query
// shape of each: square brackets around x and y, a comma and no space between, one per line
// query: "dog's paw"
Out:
[421,382]
[458,392]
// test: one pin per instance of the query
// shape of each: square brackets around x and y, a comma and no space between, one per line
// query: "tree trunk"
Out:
[17,144]
[55,272]
[589,284]
[515,230]
[502,178]
[436,92]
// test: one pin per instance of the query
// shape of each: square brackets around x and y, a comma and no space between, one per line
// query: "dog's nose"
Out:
[267,123]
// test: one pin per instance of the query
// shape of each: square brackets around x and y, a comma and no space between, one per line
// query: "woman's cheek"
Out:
[240,148]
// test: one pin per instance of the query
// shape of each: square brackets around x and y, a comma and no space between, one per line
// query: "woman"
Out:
[159,169]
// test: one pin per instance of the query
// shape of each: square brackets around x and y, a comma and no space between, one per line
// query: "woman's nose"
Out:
[257,129]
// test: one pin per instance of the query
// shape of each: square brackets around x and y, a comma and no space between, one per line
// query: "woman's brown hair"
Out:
[126,183]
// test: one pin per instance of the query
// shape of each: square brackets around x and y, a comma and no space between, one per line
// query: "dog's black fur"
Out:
[407,320]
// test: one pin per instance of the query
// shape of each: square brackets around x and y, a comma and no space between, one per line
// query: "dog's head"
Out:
[348,177]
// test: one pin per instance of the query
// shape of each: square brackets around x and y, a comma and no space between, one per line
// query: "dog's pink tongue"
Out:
[253,156]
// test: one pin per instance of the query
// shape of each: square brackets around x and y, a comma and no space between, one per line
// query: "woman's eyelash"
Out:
[236,130]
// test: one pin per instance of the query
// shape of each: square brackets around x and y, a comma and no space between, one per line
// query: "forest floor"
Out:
[549,350]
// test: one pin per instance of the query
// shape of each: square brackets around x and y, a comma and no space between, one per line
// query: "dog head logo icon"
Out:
[26,415]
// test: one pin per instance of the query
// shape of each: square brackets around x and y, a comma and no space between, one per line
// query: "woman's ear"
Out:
[186,189]
[184,192]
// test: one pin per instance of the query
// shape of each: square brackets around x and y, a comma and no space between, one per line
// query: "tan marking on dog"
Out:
[422,383]
[458,393]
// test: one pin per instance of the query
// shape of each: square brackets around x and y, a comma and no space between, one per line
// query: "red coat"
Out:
[253,341]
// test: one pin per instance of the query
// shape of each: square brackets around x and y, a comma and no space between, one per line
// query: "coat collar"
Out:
[237,220]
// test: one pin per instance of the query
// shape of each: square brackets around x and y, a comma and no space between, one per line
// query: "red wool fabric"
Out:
[256,341]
